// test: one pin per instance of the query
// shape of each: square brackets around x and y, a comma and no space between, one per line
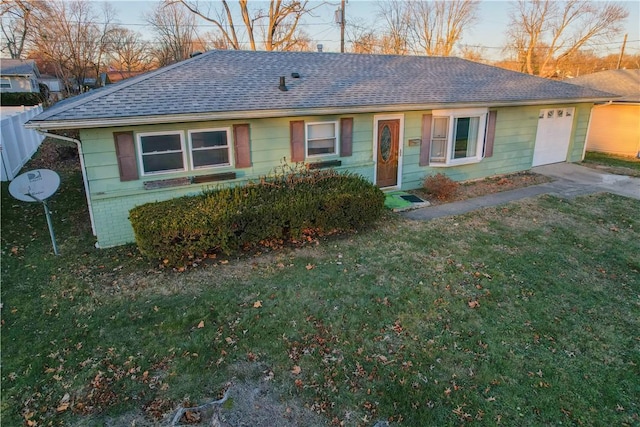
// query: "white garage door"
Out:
[553,136]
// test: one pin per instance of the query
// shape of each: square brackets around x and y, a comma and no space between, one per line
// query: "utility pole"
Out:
[624,43]
[342,6]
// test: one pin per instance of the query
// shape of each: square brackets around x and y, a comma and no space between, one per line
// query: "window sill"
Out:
[456,163]
[179,182]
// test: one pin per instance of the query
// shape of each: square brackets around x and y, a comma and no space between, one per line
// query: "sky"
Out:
[488,32]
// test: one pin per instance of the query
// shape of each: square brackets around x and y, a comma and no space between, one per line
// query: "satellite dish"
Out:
[35,186]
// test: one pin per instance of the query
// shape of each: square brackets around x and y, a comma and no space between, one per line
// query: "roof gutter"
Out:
[84,171]
[263,114]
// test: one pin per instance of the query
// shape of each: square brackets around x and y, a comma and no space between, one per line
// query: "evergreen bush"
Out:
[17,99]
[292,205]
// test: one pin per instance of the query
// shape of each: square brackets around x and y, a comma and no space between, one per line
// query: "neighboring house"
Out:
[227,117]
[54,85]
[19,75]
[615,126]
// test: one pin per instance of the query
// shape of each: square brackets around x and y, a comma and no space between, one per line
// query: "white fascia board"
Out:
[263,114]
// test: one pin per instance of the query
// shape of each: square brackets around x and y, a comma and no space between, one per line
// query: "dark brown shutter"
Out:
[242,145]
[346,136]
[425,144]
[297,140]
[491,133]
[126,153]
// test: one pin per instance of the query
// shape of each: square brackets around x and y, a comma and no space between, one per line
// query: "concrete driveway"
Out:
[569,180]
[591,180]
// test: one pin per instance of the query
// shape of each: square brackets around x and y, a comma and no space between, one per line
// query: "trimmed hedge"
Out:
[16,99]
[286,208]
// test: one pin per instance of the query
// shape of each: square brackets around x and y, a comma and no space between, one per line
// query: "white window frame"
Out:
[4,86]
[141,155]
[336,146]
[229,148]
[452,115]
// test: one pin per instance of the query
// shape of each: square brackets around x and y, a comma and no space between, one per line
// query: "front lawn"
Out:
[526,314]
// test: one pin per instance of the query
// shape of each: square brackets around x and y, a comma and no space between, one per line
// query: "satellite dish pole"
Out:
[47,213]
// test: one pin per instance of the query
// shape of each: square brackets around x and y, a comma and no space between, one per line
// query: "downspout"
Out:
[84,171]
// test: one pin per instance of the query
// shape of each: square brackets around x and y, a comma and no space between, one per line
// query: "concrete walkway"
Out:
[569,180]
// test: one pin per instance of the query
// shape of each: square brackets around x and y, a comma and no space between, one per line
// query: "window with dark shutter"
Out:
[491,133]
[425,144]
[297,140]
[126,154]
[242,145]
[346,136]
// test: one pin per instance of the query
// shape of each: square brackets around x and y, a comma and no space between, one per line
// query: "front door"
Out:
[387,158]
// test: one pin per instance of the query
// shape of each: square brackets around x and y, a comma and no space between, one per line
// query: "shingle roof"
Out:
[18,67]
[620,82]
[235,83]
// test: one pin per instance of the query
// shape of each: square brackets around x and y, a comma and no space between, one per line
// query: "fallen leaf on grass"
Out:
[257,304]
[296,370]
[64,403]
[310,267]
[201,324]
[474,304]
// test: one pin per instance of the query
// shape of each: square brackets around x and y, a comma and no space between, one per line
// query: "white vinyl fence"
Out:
[17,144]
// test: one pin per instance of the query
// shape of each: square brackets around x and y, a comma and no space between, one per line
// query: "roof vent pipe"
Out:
[283,86]
[319,46]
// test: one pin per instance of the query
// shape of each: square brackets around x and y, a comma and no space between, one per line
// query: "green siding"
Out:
[112,199]
[580,125]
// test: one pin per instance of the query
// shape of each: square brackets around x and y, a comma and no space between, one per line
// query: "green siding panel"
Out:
[112,199]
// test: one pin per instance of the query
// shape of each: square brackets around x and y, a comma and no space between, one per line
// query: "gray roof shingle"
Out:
[18,67]
[621,82]
[247,81]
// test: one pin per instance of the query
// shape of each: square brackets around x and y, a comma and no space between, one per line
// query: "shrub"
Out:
[16,99]
[440,186]
[292,205]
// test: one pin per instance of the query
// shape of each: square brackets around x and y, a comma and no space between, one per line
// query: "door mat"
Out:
[412,198]
[399,201]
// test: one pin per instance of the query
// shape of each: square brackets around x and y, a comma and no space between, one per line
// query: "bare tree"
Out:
[546,32]
[73,36]
[275,28]
[397,18]
[17,24]
[361,38]
[473,53]
[128,51]
[436,26]
[175,33]
[105,29]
